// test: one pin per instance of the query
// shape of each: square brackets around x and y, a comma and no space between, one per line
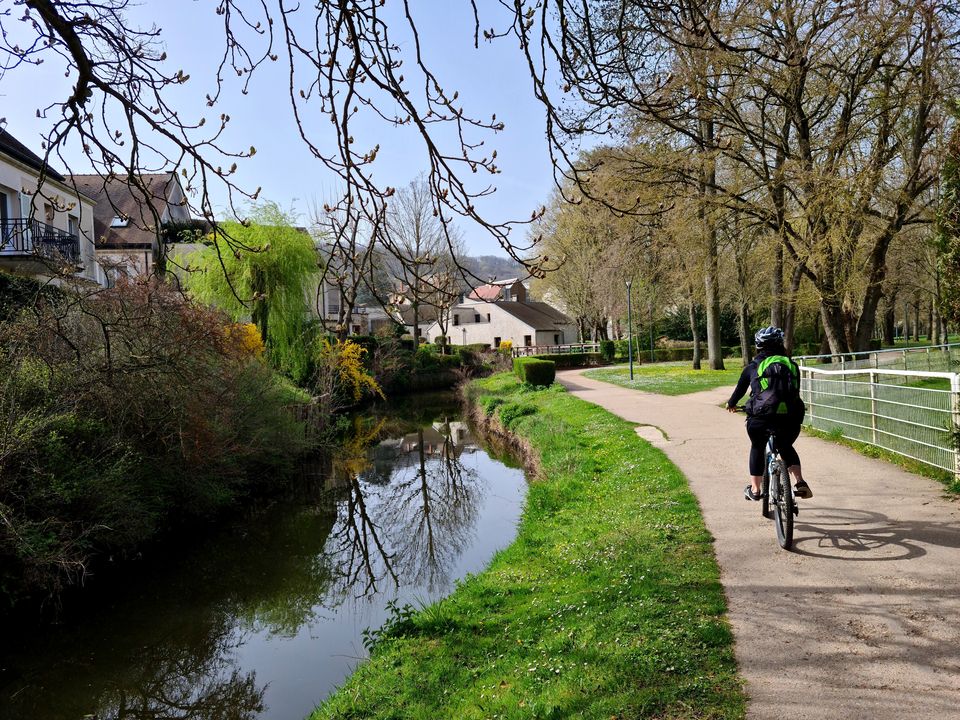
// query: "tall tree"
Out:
[264,271]
[829,110]
[425,249]
[948,231]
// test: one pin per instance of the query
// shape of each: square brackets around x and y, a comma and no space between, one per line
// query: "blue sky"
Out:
[490,80]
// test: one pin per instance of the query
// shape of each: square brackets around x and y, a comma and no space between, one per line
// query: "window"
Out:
[496,343]
[527,341]
[119,221]
[456,320]
[488,317]
[48,213]
[476,317]
[73,225]
[356,329]
[556,339]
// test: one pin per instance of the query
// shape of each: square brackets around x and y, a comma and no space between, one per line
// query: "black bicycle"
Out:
[778,491]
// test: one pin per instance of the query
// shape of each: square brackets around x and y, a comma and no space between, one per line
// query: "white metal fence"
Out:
[935,358]
[914,413]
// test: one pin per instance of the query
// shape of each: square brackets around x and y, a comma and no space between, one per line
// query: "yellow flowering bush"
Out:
[247,337]
[342,363]
[506,345]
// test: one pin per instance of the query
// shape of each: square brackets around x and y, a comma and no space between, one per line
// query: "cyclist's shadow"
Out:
[864,535]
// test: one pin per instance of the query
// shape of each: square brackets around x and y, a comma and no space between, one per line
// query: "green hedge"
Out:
[537,372]
[569,360]
[608,349]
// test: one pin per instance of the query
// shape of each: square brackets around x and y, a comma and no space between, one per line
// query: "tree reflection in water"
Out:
[390,512]
[410,527]
[184,684]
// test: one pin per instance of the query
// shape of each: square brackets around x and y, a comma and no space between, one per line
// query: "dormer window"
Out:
[119,221]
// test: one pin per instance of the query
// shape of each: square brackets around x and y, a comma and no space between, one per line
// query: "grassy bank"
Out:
[668,378]
[607,605]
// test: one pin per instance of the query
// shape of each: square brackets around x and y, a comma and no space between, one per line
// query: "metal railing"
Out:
[934,358]
[912,413]
[22,236]
[523,351]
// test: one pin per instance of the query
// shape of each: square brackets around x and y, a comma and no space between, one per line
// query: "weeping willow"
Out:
[263,273]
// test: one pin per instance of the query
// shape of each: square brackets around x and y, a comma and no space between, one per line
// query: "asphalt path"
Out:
[862,618]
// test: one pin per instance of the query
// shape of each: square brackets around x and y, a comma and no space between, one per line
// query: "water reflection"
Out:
[263,619]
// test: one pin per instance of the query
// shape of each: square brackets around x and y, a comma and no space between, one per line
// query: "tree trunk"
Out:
[889,322]
[708,192]
[790,312]
[831,313]
[694,331]
[776,289]
[744,323]
[416,326]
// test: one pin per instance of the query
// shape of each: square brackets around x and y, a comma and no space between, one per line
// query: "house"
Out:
[46,229]
[500,311]
[125,226]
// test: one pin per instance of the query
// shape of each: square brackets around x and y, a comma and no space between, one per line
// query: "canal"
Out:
[262,618]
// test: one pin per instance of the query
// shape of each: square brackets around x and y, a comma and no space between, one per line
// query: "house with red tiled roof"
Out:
[46,225]
[127,218]
[506,290]
[499,311]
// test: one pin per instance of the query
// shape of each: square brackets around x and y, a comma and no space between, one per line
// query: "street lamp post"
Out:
[630,328]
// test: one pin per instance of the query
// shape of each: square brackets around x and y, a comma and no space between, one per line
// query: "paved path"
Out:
[863,619]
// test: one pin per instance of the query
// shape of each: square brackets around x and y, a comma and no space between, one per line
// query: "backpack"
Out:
[776,390]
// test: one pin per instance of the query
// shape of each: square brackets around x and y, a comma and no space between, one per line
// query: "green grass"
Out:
[950,482]
[668,378]
[607,605]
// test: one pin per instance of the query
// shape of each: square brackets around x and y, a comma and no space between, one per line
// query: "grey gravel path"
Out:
[862,620]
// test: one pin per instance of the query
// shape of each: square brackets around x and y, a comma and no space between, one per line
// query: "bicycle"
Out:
[778,489]
[775,479]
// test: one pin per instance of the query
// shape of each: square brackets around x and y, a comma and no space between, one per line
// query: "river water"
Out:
[262,619]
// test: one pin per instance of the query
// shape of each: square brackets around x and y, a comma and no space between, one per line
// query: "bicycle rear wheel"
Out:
[783,508]
[765,489]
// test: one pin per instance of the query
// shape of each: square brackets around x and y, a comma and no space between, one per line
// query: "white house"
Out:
[46,232]
[500,311]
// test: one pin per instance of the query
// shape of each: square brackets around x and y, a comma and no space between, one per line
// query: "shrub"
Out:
[469,358]
[506,346]
[569,360]
[517,365]
[538,372]
[123,414]
[340,374]
[608,350]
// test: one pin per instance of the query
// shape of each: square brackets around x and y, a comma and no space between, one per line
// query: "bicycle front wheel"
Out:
[783,508]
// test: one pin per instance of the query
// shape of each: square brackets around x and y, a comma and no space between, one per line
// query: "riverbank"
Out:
[608,604]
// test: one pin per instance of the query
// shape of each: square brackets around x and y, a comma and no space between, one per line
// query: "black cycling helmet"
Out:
[768,337]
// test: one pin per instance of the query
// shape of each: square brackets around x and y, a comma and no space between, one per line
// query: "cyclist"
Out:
[769,342]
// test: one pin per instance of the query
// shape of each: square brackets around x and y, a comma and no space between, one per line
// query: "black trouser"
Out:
[787,428]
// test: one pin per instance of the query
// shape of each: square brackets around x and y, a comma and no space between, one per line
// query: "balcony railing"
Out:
[31,237]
